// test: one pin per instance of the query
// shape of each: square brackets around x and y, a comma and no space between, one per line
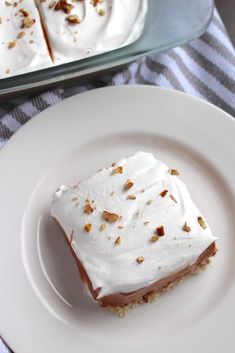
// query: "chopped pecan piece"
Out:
[149,202]
[24,12]
[154,238]
[128,185]
[64,6]
[174,172]
[27,22]
[12,44]
[87,227]
[146,223]
[202,222]
[140,259]
[118,241]
[73,19]
[121,226]
[110,217]
[163,193]
[131,197]
[160,231]
[101,12]
[186,228]
[102,227]
[95,2]
[21,34]
[88,209]
[117,170]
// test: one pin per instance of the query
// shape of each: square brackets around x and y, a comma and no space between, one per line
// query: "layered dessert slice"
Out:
[133,230]
[79,29]
[23,47]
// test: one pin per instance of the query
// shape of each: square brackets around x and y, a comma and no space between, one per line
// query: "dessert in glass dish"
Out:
[36,34]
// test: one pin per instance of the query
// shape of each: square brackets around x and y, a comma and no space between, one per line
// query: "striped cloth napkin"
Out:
[204,68]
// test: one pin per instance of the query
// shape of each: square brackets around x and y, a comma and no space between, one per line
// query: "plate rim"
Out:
[118,87]
[14,140]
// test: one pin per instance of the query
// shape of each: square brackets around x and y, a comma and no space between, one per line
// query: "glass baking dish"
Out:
[169,23]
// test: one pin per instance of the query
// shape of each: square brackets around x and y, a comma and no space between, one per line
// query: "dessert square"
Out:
[23,46]
[133,230]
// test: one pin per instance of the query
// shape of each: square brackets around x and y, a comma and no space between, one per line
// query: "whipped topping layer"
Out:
[131,224]
[79,29]
[23,47]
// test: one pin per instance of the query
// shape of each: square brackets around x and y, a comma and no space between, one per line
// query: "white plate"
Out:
[42,305]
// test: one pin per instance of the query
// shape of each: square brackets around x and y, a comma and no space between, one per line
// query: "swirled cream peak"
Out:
[78,29]
[131,224]
[23,46]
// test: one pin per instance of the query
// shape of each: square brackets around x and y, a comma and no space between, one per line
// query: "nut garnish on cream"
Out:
[61,31]
[133,238]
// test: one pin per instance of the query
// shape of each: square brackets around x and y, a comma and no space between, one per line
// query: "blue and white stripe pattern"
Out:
[204,68]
